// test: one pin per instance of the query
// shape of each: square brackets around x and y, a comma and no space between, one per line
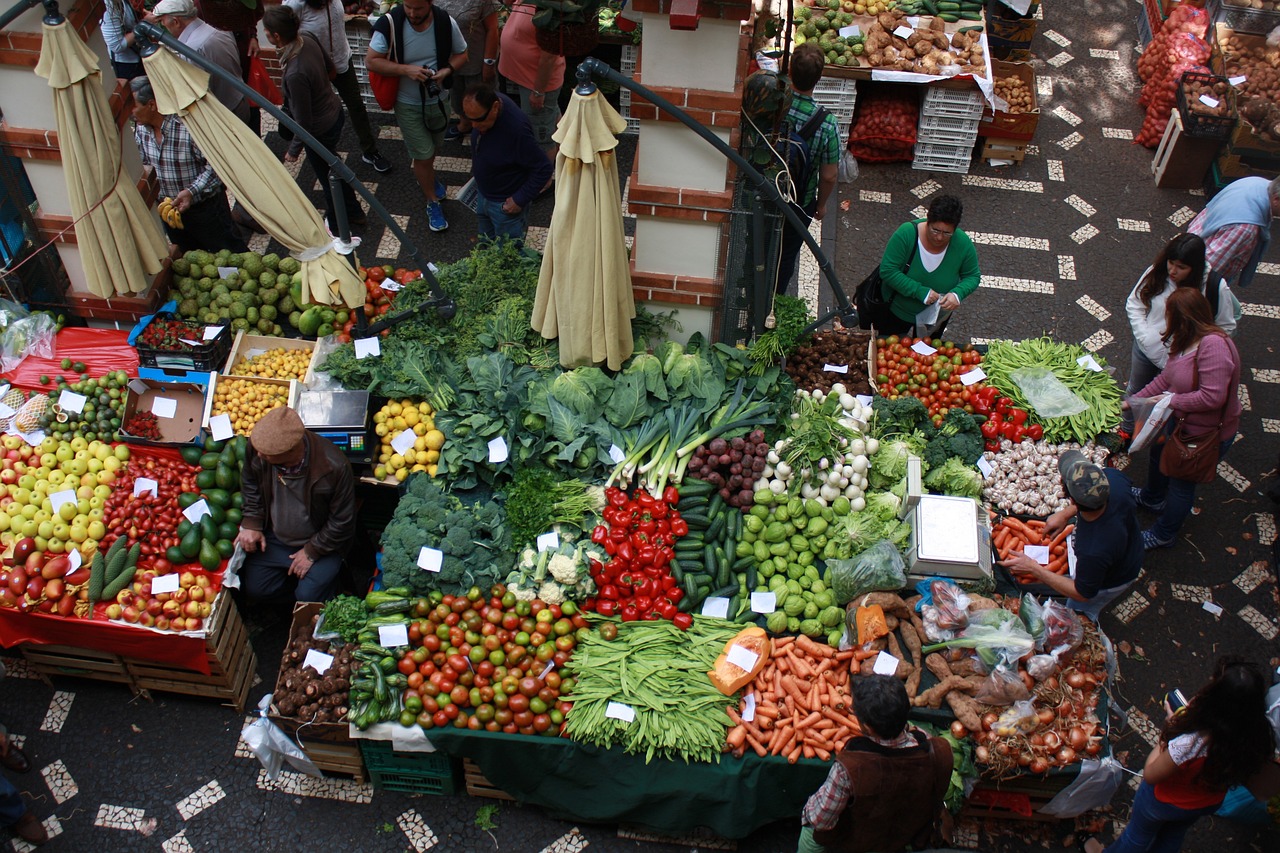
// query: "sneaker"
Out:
[435,217]
[377,161]
[453,133]
[1137,493]
[1150,542]
[441,189]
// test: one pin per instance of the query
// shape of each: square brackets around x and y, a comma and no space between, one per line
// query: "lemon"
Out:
[435,439]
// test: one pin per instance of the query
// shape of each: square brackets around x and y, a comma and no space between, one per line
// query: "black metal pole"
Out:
[150,35]
[17,10]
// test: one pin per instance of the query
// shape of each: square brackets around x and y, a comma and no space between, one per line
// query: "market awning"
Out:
[120,242]
[258,180]
[584,291]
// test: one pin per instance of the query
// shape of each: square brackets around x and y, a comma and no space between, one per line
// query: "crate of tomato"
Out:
[169,341]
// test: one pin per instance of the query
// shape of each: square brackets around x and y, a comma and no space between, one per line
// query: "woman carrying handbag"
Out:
[1202,374]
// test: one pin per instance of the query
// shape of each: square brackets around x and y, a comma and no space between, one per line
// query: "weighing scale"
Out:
[342,417]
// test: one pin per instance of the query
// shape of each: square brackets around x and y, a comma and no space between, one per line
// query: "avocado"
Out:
[226,547]
[224,477]
[183,527]
[190,544]
[208,528]
[227,530]
[221,497]
[210,559]
[191,455]
[237,501]
[217,513]
[209,461]
[206,480]
[186,499]
[174,555]
[235,516]
[212,446]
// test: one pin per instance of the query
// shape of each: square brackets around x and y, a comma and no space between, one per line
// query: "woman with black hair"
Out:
[1220,739]
[928,266]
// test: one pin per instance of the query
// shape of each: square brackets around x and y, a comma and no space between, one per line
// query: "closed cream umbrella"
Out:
[258,180]
[120,241]
[584,294]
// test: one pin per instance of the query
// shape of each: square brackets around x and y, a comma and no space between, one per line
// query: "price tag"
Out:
[922,348]
[164,407]
[70,401]
[748,707]
[189,342]
[211,332]
[1212,608]
[498,450]
[742,657]
[225,273]
[1039,553]
[985,467]
[368,347]
[850,31]
[717,607]
[391,286]
[403,442]
[616,454]
[903,32]
[618,711]
[197,511]
[434,269]
[430,559]
[6,411]
[138,387]
[220,427]
[548,541]
[886,664]
[164,583]
[74,558]
[393,636]
[1087,361]
[551,664]
[1236,81]
[763,602]
[142,485]
[66,496]
[1209,101]
[4,389]
[836,368]
[864,399]
[972,376]
[319,661]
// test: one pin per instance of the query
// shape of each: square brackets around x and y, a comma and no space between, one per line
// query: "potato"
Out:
[1015,93]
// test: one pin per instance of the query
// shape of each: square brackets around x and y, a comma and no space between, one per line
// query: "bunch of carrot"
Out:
[803,703]
[1012,536]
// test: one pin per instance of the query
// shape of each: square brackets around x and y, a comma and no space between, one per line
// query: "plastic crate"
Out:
[934,157]
[948,124]
[408,772]
[949,103]
[946,137]
[627,65]
[206,356]
[1201,125]
[834,86]
[1244,19]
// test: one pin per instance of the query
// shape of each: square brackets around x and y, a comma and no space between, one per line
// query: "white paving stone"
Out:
[1101,53]
[1067,268]
[1060,59]
[19,668]
[1182,216]
[1002,183]
[177,844]
[1024,285]
[1266,529]
[200,799]
[1130,608]
[1268,269]
[302,785]
[60,783]
[51,825]
[1092,305]
[1066,115]
[1080,204]
[571,842]
[919,211]
[1133,225]
[1117,133]
[536,237]
[1253,309]
[420,836]
[390,131]
[1266,375]
[1253,577]
[874,196]
[1263,625]
[1190,592]
[926,189]
[389,245]
[1071,141]
[984,239]
[1057,38]
[1142,724]
[1044,86]
[1084,232]
[59,706]
[1056,172]
[260,242]
[1097,340]
[125,818]
[1232,476]
[1242,391]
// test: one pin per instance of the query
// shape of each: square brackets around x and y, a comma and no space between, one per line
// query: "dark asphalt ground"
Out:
[1061,238]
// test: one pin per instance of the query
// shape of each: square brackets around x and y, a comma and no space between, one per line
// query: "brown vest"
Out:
[896,794]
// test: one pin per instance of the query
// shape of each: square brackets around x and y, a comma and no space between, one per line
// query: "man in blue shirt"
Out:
[509,166]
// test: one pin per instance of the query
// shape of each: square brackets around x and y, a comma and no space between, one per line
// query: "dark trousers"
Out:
[1156,827]
[11,806]
[127,70]
[329,139]
[208,226]
[265,575]
[348,87]
[792,240]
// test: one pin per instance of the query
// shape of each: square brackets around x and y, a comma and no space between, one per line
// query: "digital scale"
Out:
[342,417]
[950,536]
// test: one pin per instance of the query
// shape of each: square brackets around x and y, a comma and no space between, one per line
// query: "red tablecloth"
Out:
[103,636]
[101,350]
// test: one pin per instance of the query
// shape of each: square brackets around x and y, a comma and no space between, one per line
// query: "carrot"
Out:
[864,654]
[1058,565]
[760,748]
[809,752]
[782,642]
[800,668]
[734,715]
[1016,526]
[1061,538]
[737,736]
[784,664]
[795,754]
[825,755]
[811,648]
[770,711]
[1000,538]
[809,720]
[1035,524]
[845,655]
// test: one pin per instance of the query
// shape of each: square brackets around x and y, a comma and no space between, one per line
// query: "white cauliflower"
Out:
[523,594]
[551,592]
[564,569]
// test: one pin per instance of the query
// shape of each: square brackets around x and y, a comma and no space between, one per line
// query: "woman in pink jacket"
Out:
[1202,374]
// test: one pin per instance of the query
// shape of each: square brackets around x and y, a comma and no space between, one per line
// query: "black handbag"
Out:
[873,308]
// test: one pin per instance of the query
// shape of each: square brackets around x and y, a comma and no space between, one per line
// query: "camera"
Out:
[1175,700]
[432,88]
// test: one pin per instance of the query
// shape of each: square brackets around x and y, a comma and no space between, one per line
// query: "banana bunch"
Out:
[168,213]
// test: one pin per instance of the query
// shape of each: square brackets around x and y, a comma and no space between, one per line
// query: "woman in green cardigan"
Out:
[929,266]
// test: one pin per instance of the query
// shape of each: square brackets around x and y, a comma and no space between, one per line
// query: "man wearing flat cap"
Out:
[299,511]
[179,18]
[1108,539]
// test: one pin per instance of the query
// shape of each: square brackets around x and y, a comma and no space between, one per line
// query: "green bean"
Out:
[1097,389]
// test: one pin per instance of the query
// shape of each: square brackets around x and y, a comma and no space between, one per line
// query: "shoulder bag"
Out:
[869,299]
[1192,458]
[385,89]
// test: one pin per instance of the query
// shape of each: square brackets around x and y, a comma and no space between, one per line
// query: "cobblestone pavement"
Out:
[1061,237]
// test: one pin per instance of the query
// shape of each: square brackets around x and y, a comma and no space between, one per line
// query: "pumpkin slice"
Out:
[735,668]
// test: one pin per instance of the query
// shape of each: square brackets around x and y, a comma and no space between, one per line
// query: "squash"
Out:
[728,677]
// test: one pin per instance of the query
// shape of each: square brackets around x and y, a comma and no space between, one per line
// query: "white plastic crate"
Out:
[942,158]
[939,95]
[633,126]
[946,137]
[959,167]
[948,124]
[624,97]
[630,52]
[949,103]
[837,86]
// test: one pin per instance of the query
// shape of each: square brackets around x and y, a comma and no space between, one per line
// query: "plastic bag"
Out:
[1062,628]
[947,613]
[1150,414]
[847,168]
[996,644]
[31,335]
[1032,616]
[1092,789]
[1002,687]
[273,747]
[1018,719]
[1046,393]
[878,569]
[11,312]
[324,381]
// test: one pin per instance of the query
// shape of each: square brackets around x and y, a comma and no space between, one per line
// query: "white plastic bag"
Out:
[1150,414]
[273,747]
[1092,789]
[847,168]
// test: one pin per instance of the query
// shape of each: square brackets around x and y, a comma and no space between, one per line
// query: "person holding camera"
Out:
[425,55]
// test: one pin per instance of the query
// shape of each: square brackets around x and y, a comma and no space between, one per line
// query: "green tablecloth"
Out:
[576,782]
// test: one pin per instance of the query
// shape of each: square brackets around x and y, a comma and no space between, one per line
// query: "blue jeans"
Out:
[11,806]
[1093,607]
[1179,495]
[1155,827]
[1141,371]
[493,222]
[265,575]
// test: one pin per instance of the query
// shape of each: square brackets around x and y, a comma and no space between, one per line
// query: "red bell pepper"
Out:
[1019,416]
[610,592]
[607,608]
[599,534]
[1035,432]
[629,613]
[991,428]
[683,621]
[666,609]
[1007,429]
[680,527]
[671,495]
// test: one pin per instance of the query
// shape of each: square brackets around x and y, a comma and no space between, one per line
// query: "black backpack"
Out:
[444,36]
[800,160]
[1213,292]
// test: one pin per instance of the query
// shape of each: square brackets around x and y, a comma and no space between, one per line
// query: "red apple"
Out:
[146,620]
[172,608]
[131,614]
[191,609]
[193,624]
[162,622]
[8,476]
[155,606]
[124,597]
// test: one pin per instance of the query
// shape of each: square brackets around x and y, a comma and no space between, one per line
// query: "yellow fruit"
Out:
[420,443]
[394,409]
[433,456]
[402,475]
[431,469]
[380,473]
[435,439]
[397,462]
[421,457]
[417,469]
[410,416]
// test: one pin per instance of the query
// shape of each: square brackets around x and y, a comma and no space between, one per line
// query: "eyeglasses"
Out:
[480,119]
[940,234]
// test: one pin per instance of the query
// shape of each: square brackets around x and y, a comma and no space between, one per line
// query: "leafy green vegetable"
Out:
[492,392]
[791,316]
[345,614]
[954,477]
[537,499]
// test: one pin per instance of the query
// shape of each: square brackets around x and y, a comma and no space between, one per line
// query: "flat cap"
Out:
[279,431]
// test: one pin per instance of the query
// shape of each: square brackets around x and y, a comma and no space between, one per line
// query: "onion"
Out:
[988,720]
[1094,746]
[1027,680]
[1052,741]
[1064,708]
[1024,759]
[1046,715]
[1077,738]
[1075,679]
[1066,755]
[959,732]
[1037,740]
[1039,765]
[1002,748]
[982,755]
[1051,683]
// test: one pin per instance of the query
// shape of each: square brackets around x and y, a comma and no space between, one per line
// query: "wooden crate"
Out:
[330,733]
[1181,161]
[478,786]
[345,759]
[81,663]
[1003,149]
[1016,799]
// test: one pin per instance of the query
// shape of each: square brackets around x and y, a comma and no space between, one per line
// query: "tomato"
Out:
[406,665]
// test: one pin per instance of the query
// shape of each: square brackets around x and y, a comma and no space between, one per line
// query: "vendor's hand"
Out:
[931,298]
[182,201]
[950,301]
[1021,564]
[301,563]
[510,207]
[251,540]
[1124,405]
[1056,523]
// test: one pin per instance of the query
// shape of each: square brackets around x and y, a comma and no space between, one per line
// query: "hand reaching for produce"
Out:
[182,201]
[1059,521]
[1022,564]
[950,301]
[251,540]
[301,563]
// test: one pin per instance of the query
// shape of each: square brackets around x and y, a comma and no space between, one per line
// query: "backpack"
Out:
[1213,292]
[443,30]
[800,161]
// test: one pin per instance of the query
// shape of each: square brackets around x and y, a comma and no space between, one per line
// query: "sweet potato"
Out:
[967,711]
[890,602]
[937,664]
[932,698]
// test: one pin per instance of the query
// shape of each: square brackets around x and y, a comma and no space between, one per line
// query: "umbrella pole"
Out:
[52,15]
[149,38]
[844,309]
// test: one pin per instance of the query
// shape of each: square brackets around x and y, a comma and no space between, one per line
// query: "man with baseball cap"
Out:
[1108,539]
[299,511]
[179,18]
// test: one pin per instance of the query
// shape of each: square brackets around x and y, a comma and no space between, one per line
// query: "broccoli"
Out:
[959,437]
[902,415]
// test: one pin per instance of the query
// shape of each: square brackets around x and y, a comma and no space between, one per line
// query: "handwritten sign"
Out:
[197,511]
[886,664]
[922,348]
[142,485]
[70,401]
[1039,553]
[1087,361]
[985,467]
[211,332]
[66,496]
[742,657]
[548,541]
[497,450]
[619,711]
[836,368]
[393,636]
[403,442]
[748,707]
[319,661]
[616,453]
[973,376]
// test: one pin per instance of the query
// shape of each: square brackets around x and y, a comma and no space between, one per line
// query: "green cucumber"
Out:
[692,486]
[949,17]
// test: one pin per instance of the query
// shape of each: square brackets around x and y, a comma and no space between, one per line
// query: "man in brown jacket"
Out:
[886,787]
[299,511]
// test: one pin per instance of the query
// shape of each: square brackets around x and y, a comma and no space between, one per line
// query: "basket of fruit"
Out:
[169,341]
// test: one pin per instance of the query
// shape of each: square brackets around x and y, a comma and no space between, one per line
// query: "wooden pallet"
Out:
[478,786]
[345,759]
[81,663]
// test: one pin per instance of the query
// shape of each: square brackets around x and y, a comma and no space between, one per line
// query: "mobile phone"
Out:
[1175,700]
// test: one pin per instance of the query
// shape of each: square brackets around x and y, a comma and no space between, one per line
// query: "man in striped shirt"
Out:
[1236,227]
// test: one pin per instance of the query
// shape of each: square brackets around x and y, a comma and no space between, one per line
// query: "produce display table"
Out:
[101,350]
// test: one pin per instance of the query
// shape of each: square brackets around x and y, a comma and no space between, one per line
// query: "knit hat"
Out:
[181,8]
[1085,482]
[278,432]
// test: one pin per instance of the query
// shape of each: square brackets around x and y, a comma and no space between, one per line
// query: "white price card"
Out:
[904,32]
[319,661]
[851,31]
[864,399]
[748,707]
[972,376]
[197,511]
[430,559]
[985,467]
[220,427]
[139,387]
[1210,607]
[391,286]
[922,348]
[74,558]
[763,602]
[886,664]
[836,368]
[211,332]
[434,269]
[717,607]
[616,453]
[70,401]
[548,541]
[142,485]
[66,496]
[742,657]
[498,450]
[165,583]
[1209,101]
[403,442]
[1236,81]
[392,636]
[189,342]
[368,347]
[4,389]
[225,273]
[1039,553]
[1087,361]
[164,407]
[619,711]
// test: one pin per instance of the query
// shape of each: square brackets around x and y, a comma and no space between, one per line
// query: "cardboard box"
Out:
[189,405]
[1244,140]
[291,384]
[1003,149]
[1006,125]
[247,346]
[1181,160]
